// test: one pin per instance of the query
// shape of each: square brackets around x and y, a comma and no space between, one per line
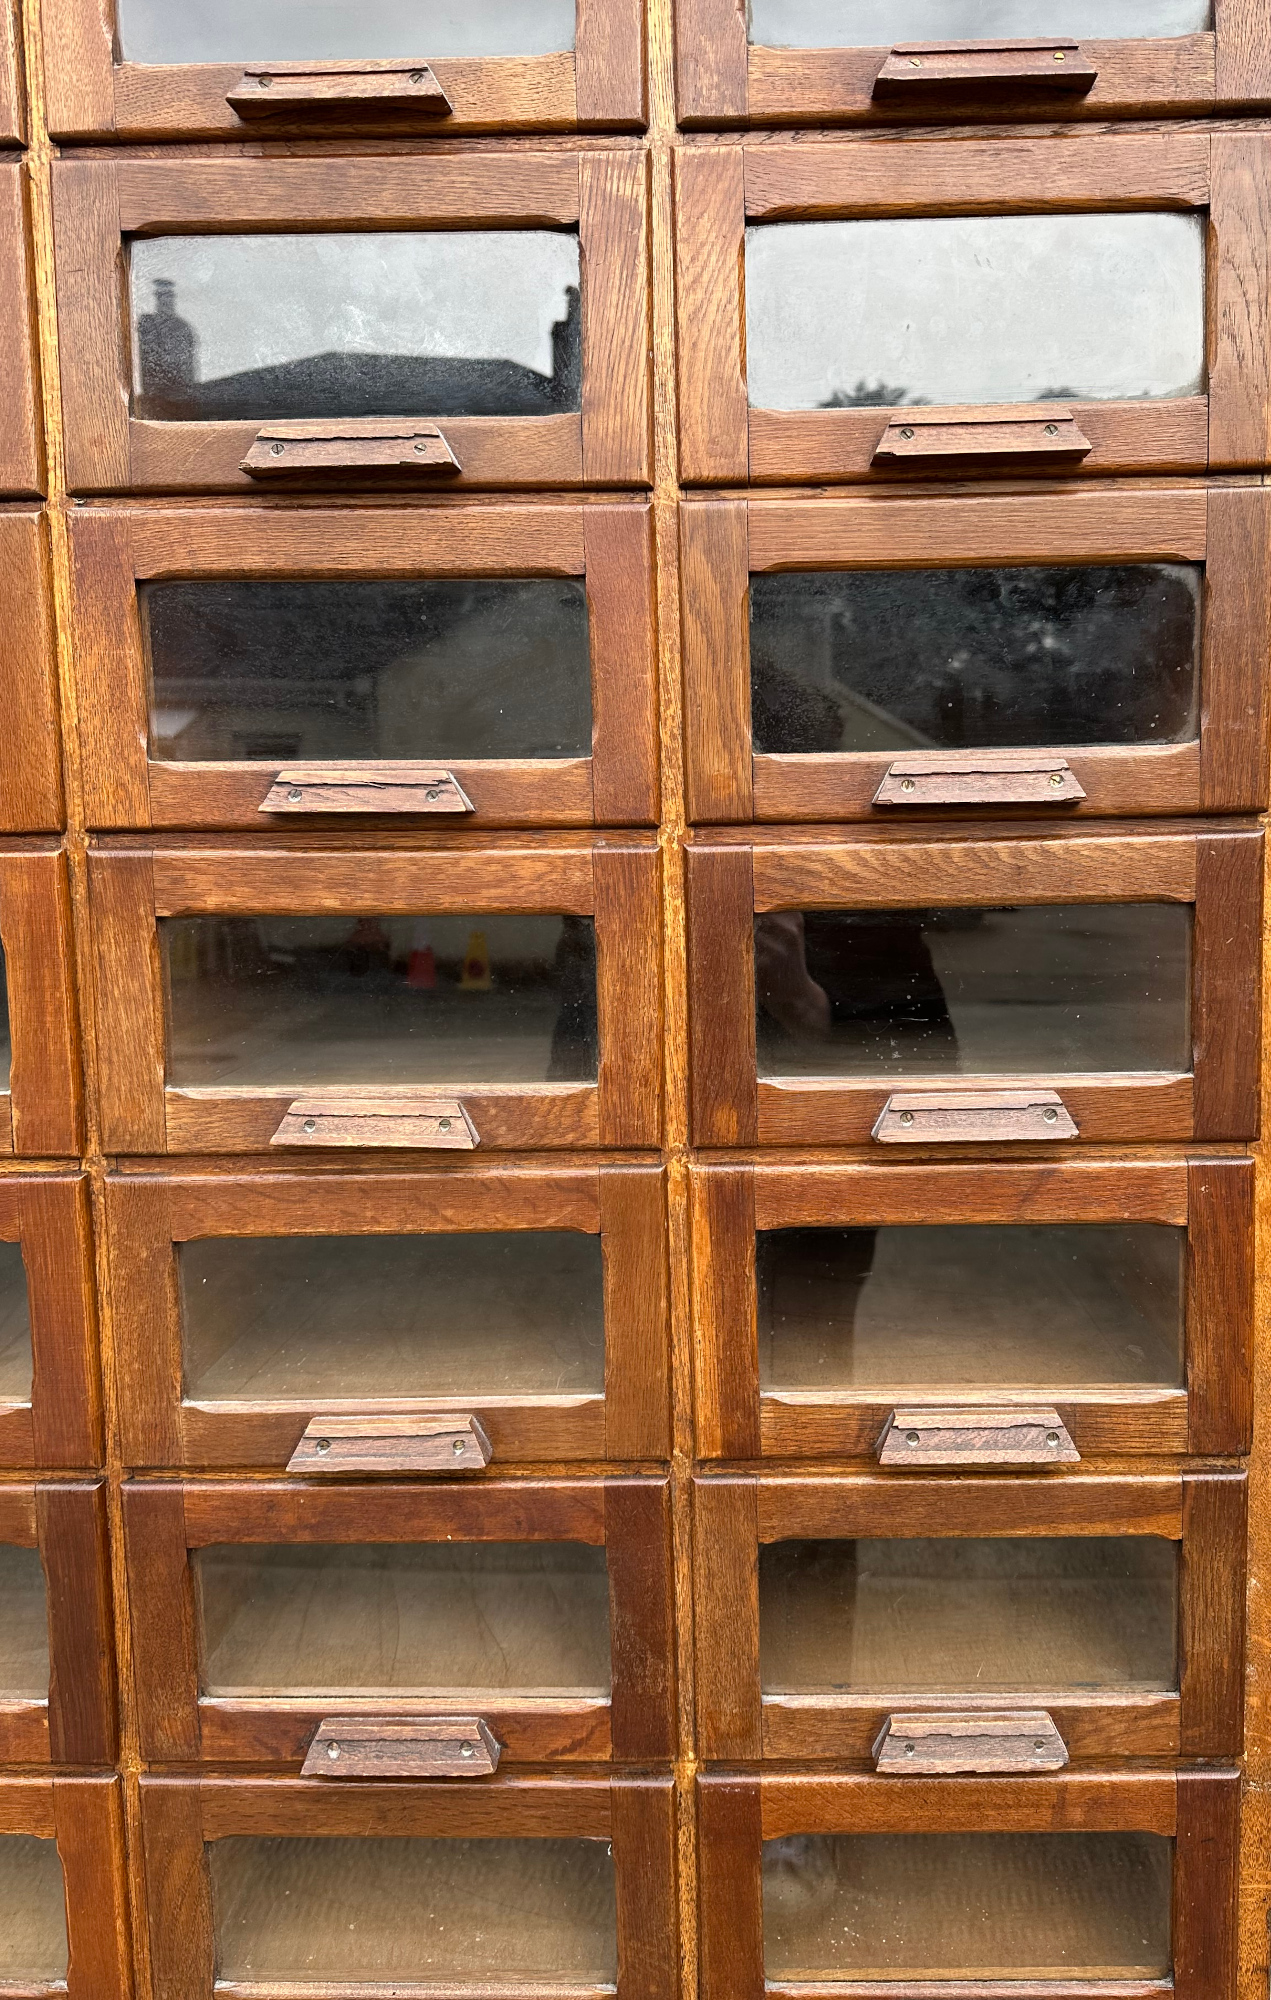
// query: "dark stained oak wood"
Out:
[730,1885]
[22,440]
[726,1618]
[724,1096]
[30,752]
[88,1821]
[1226,963]
[45,1080]
[71,1525]
[1206,1844]
[1212,1613]
[1220,1305]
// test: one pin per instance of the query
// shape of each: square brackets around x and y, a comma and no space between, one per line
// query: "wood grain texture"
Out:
[1243,64]
[247,882]
[79,93]
[128,994]
[628,906]
[111,680]
[730,1886]
[13,121]
[710,225]
[178,1890]
[71,1524]
[637,1414]
[624,688]
[472,189]
[1109,1108]
[725,1347]
[613,228]
[89,1823]
[710,62]
[45,1078]
[90,317]
[715,633]
[22,440]
[609,62]
[1205,1874]
[1066,1801]
[644,1834]
[530,1116]
[146,1318]
[1237,621]
[498,1510]
[1212,1613]
[1220,1305]
[968,871]
[641,1619]
[30,753]
[165,1665]
[721,1001]
[1238,281]
[966,1504]
[56,1239]
[1071,1190]
[726,1618]
[1226,964]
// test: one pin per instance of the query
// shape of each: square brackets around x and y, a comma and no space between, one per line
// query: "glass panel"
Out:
[262,1002]
[255,31]
[466,1912]
[1060,988]
[405,1618]
[427,669]
[24,1630]
[971,1306]
[863,24]
[952,1615]
[32,1911]
[974,658]
[15,1327]
[474,323]
[974,309]
[307,1318]
[979,1906]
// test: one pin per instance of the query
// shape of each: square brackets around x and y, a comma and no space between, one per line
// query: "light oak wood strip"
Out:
[389,884]
[493,451]
[352,541]
[874,1197]
[1132,1800]
[710,225]
[970,872]
[525,189]
[1104,526]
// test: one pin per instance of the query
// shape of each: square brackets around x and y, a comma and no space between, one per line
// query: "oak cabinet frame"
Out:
[59,1427]
[730,880]
[723,80]
[22,437]
[719,190]
[723,543]
[635,1814]
[617,885]
[1199,1809]
[161,1425]
[1212,1199]
[99,204]
[114,551]
[84,1815]
[40,1113]
[12,105]
[75,1723]
[93,94]
[629,1517]
[30,755]
[733,1514]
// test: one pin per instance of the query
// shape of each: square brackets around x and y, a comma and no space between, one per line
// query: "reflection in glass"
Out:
[306,1319]
[974,658]
[971,1306]
[978,1906]
[24,1631]
[33,1946]
[1056,988]
[431,669]
[278,31]
[279,1001]
[862,24]
[476,323]
[974,309]
[482,1913]
[15,1327]
[955,1616]
[405,1618]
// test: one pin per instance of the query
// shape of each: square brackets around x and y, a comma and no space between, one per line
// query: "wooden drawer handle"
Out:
[367,445]
[447,1441]
[365,788]
[919,436]
[370,1746]
[913,67]
[936,1745]
[975,1437]
[439,1124]
[357,91]
[919,1117]
[977,778]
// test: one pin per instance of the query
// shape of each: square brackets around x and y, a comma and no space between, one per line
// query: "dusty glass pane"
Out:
[971,1306]
[429,669]
[256,1002]
[32,1911]
[306,1319]
[24,1631]
[968,309]
[863,24]
[974,658]
[954,1616]
[466,1912]
[15,1327]
[232,31]
[476,323]
[981,1905]
[1054,988]
[405,1618]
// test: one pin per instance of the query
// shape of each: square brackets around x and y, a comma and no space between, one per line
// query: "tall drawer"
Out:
[22,445]
[1111,1608]
[445,997]
[501,1315]
[961,987]
[532,1886]
[40,1083]
[838,1307]
[57,1686]
[31,754]
[485,665]
[50,1393]
[63,1889]
[541,1609]
[1076,1886]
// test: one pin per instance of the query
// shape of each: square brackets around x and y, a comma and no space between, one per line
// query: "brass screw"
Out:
[911,1437]
[421,445]
[914,62]
[322,1444]
[909,1749]
[1052,430]
[265,82]
[417,76]
[444,1124]
[457,1447]
[906,1117]
[1056,780]
[333,1751]
[295,795]
[466,1750]
[1059,55]
[906,431]
[1052,1437]
[906,784]
[276,450]
[1050,1114]
[311,1125]
[1038,1743]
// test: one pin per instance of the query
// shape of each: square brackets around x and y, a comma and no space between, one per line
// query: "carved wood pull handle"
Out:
[979,778]
[372,446]
[925,436]
[353,91]
[445,1441]
[917,1117]
[439,1123]
[935,1745]
[925,1437]
[369,1746]
[913,67]
[365,788]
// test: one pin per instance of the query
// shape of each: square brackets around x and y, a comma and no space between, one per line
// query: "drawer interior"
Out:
[24,1632]
[33,1946]
[15,1327]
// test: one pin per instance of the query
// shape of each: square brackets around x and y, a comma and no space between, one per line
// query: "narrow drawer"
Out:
[30,755]
[1076,1886]
[525,1308]
[1115,1294]
[63,1889]
[530,1886]
[50,1393]
[826,1607]
[963,987]
[22,445]
[541,1608]
[57,1691]
[447,997]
